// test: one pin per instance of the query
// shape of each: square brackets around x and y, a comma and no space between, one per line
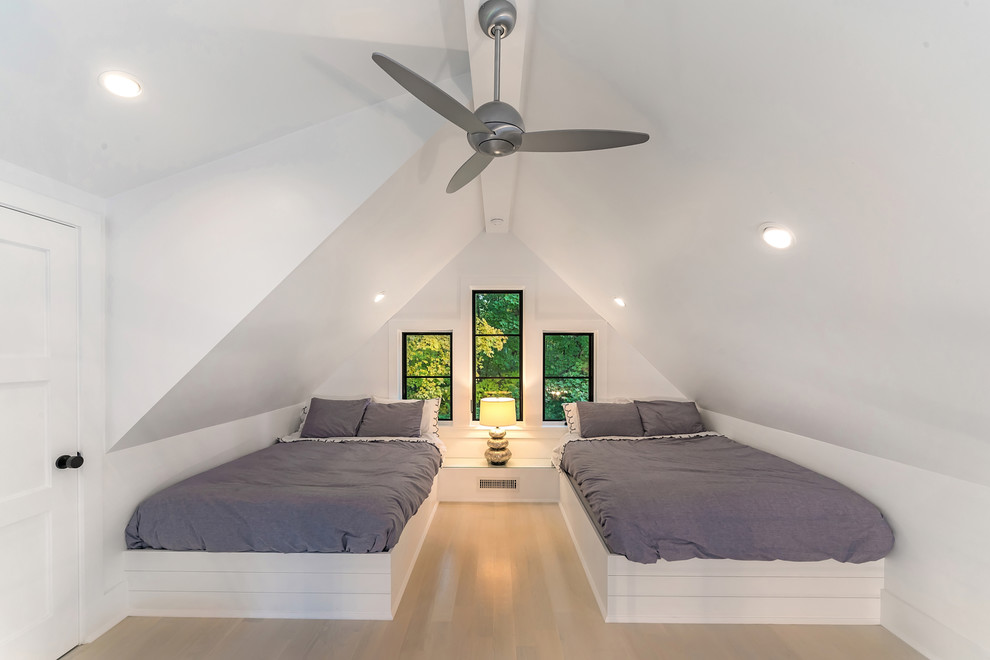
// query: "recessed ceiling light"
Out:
[380,296]
[777,236]
[619,301]
[120,84]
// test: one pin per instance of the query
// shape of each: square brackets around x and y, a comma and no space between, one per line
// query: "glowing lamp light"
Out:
[380,296]
[619,301]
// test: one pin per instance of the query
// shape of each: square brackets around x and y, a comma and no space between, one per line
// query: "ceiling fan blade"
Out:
[437,99]
[579,140]
[471,168]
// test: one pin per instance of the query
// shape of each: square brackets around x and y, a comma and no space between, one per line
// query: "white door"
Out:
[39,504]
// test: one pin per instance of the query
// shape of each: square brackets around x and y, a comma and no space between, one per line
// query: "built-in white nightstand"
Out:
[520,480]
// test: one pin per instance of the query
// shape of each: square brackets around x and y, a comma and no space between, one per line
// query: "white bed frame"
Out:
[720,590]
[273,585]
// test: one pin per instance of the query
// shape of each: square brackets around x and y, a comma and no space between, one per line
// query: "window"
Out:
[426,360]
[568,371]
[497,337]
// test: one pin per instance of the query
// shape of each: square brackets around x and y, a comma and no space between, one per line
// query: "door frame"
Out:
[101,599]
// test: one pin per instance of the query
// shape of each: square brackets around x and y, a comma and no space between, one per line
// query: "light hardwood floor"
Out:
[493,581]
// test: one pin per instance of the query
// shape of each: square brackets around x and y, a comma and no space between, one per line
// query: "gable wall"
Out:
[444,304]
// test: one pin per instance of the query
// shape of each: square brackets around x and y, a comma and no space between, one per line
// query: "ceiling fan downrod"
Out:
[498,58]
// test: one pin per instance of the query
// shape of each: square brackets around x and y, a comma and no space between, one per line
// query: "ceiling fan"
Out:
[496,128]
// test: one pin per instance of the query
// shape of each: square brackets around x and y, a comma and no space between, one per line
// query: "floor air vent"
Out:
[497,483]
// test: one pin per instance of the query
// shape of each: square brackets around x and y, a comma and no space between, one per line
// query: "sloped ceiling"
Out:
[861,126]
[219,76]
[325,309]
[191,255]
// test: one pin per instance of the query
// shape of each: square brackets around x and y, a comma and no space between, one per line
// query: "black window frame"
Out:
[450,376]
[591,370]
[474,349]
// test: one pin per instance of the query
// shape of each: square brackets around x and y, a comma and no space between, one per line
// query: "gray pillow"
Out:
[329,418]
[601,419]
[392,420]
[670,417]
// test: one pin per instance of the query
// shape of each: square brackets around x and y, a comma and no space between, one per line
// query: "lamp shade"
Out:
[497,411]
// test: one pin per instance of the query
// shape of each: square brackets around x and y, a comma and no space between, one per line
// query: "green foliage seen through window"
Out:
[426,359]
[497,347]
[568,369]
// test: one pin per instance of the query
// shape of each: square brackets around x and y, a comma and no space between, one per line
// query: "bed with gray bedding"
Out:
[306,496]
[710,497]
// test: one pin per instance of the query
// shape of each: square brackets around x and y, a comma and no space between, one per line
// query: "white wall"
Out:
[444,304]
[191,255]
[937,578]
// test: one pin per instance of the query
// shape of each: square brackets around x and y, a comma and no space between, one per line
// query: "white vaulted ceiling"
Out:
[861,126]
[219,76]
[861,129]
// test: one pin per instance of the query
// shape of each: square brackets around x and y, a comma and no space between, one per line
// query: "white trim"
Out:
[26,183]
[720,590]
[929,636]
[107,613]
[272,585]
[502,284]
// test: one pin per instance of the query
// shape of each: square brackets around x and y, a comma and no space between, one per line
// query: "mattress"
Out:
[711,497]
[305,496]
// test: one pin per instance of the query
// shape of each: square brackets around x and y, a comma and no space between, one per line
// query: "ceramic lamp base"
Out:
[498,450]
[498,456]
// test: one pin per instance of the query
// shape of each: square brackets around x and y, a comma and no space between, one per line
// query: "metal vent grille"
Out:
[497,483]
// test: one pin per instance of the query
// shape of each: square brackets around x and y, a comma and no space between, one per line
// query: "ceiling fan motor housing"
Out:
[507,129]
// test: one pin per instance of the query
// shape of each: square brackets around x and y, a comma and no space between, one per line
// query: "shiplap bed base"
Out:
[720,590]
[274,585]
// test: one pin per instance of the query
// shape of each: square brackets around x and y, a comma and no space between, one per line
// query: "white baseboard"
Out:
[930,637]
[104,614]
[93,635]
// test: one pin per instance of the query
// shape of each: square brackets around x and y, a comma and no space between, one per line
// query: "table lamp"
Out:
[497,412]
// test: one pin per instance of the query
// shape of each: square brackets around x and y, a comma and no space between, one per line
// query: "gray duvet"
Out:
[712,497]
[294,497]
